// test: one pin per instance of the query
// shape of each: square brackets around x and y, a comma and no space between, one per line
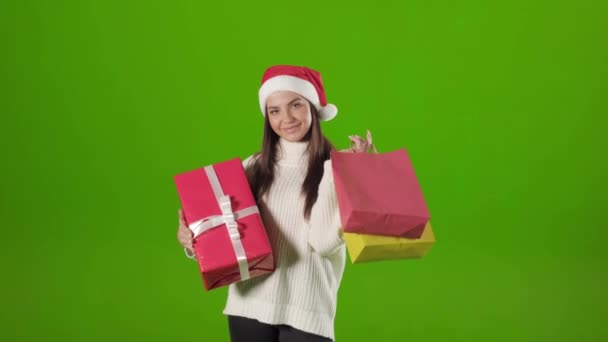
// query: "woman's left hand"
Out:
[360,145]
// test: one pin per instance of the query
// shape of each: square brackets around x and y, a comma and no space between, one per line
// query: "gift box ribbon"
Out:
[228,218]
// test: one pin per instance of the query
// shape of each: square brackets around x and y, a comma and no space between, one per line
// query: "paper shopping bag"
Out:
[366,248]
[379,194]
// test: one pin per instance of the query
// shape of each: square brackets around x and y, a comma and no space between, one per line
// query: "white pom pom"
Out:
[328,112]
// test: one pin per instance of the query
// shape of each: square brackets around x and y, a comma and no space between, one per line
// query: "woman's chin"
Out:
[293,137]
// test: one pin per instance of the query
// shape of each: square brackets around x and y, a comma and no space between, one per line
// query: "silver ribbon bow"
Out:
[228,218]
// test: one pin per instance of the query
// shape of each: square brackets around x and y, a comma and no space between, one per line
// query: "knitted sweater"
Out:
[310,256]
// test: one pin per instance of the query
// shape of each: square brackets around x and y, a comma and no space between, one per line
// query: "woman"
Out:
[292,180]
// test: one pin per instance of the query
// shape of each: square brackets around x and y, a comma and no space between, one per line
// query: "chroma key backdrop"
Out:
[501,106]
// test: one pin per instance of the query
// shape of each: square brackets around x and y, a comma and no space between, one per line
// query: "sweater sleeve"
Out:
[248,161]
[325,234]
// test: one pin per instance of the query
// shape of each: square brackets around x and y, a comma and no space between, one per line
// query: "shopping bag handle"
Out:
[373,148]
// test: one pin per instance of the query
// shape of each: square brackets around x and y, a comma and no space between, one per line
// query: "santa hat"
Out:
[299,79]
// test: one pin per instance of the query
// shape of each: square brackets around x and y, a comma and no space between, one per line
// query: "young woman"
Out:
[291,178]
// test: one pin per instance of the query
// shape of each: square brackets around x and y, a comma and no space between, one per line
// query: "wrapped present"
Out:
[379,194]
[365,248]
[230,241]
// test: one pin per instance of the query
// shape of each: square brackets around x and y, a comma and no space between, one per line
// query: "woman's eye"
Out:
[296,104]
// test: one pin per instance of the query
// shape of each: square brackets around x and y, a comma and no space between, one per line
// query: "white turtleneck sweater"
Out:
[310,256]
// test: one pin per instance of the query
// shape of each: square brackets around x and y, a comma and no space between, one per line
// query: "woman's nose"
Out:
[289,115]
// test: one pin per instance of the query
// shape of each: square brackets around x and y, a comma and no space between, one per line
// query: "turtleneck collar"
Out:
[291,153]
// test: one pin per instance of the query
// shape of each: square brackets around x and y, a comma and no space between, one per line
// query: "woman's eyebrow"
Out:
[290,102]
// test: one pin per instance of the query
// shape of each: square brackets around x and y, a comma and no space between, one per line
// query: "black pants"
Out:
[250,330]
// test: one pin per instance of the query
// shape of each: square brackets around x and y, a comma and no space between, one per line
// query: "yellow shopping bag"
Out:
[365,248]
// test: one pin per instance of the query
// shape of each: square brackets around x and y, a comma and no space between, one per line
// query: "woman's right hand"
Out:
[184,234]
[360,145]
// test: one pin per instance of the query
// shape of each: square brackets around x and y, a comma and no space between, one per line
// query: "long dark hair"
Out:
[261,172]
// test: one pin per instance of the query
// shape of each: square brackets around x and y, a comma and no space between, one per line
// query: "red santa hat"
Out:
[299,79]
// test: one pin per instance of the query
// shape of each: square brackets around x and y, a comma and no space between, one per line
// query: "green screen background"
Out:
[500,105]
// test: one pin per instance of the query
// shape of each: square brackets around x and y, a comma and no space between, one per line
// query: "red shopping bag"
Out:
[379,194]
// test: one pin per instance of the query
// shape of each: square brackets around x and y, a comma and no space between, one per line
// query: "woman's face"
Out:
[289,115]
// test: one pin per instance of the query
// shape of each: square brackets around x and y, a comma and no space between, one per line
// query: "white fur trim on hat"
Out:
[297,85]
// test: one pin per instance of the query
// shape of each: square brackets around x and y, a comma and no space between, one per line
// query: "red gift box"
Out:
[230,241]
[379,194]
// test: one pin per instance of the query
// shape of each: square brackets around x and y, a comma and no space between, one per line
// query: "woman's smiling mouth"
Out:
[292,128]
